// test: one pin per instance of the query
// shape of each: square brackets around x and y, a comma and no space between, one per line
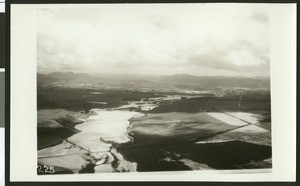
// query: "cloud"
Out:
[239,56]
[69,15]
[260,17]
[162,22]
[162,39]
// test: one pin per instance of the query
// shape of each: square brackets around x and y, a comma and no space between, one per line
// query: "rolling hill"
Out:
[178,81]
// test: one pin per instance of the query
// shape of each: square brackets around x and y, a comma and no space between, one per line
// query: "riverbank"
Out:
[55,125]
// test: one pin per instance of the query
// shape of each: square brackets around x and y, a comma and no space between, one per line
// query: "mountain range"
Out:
[181,81]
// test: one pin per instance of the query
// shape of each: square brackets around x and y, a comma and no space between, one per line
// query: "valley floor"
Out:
[152,132]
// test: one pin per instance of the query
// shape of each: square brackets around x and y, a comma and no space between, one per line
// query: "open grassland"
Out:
[175,127]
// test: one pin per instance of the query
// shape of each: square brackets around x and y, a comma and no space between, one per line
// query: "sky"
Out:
[158,39]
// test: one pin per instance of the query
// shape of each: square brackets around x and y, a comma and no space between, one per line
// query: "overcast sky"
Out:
[154,39]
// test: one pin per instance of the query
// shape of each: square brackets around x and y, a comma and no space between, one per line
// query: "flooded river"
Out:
[95,144]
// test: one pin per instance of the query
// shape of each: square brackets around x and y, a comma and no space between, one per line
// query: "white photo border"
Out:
[23,154]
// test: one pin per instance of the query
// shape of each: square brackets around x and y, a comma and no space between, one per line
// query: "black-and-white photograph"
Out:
[153,87]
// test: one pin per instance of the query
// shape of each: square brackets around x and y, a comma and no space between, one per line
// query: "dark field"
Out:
[227,155]
[259,103]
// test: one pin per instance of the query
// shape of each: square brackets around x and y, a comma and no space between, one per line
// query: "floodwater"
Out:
[249,129]
[94,144]
[144,106]
[226,118]
[245,116]
[110,125]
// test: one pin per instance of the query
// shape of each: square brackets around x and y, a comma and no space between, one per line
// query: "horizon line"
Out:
[99,73]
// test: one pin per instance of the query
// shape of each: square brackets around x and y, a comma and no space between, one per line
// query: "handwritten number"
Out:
[45,169]
[40,169]
[49,169]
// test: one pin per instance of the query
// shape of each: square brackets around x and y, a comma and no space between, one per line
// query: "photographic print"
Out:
[153,87]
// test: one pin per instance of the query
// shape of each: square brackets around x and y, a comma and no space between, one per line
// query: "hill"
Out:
[178,81]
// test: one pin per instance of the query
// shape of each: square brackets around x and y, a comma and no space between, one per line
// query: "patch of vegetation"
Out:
[75,99]
[227,155]
[249,103]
